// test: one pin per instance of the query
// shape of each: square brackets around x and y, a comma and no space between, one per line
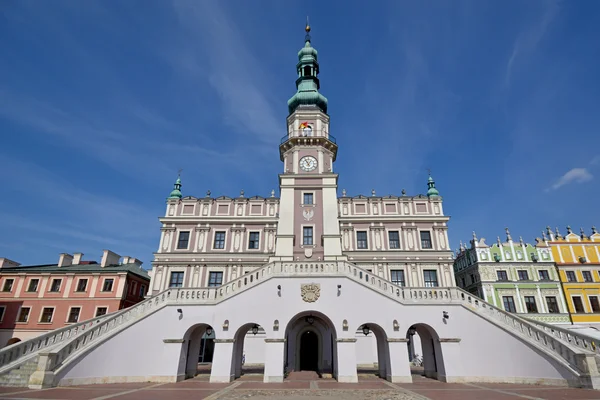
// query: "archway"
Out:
[425,359]
[310,344]
[370,330]
[197,339]
[240,365]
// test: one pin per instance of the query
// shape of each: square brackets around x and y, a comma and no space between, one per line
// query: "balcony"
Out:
[314,135]
[316,138]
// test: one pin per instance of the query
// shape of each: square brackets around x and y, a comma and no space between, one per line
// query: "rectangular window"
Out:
[552,305]
[463,282]
[578,304]
[24,314]
[100,311]
[587,276]
[219,240]
[523,275]
[8,284]
[502,275]
[55,287]
[571,276]
[215,279]
[544,276]
[426,240]
[398,277]
[594,304]
[394,237]
[253,240]
[509,303]
[361,240]
[308,198]
[33,285]
[142,290]
[74,314]
[82,285]
[176,279]
[47,313]
[307,236]
[430,276]
[530,304]
[108,285]
[184,240]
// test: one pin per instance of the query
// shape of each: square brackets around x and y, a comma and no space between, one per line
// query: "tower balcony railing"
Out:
[312,134]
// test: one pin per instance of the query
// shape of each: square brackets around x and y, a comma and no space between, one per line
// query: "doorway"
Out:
[309,351]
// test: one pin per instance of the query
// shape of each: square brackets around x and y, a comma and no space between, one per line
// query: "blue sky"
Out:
[102,102]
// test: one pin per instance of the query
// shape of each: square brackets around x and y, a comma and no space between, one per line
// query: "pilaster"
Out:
[449,361]
[222,366]
[346,360]
[399,370]
[274,357]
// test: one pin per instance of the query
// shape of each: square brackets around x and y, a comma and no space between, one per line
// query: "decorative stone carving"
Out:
[310,292]
[205,210]
[308,214]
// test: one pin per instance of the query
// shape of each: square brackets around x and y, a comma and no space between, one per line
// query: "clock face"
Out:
[308,163]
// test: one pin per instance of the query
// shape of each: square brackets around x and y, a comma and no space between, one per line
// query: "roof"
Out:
[84,267]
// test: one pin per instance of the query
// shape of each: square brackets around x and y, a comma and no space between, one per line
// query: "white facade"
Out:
[291,283]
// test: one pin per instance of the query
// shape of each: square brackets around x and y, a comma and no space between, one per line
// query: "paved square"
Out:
[251,387]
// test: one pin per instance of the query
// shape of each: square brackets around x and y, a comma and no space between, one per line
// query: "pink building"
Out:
[38,298]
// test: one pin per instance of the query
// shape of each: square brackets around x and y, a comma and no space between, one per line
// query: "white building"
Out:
[308,280]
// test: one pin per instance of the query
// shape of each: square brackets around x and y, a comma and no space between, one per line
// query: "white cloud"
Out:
[528,40]
[575,175]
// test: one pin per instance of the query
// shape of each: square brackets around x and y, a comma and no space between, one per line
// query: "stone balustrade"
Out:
[576,339]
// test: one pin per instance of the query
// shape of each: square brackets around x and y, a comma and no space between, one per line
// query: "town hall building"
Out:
[306,279]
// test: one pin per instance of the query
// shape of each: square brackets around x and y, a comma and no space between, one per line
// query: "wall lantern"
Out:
[496,257]
[445,314]
[209,331]
[366,330]
[396,325]
[226,325]
[345,325]
[180,311]
[255,329]
[276,325]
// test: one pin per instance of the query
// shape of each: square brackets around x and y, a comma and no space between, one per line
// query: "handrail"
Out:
[577,339]
[18,351]
[314,134]
[555,346]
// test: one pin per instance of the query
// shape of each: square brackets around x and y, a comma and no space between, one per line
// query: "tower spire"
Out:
[431,189]
[307,83]
[176,192]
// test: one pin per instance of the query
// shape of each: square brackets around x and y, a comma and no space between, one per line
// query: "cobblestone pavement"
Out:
[251,387]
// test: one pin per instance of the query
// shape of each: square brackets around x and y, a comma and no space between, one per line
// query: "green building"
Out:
[517,277]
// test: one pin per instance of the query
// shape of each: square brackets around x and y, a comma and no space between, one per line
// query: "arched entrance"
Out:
[383,350]
[309,351]
[198,342]
[239,358]
[310,344]
[426,360]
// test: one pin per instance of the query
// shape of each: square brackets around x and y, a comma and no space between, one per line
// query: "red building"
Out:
[38,298]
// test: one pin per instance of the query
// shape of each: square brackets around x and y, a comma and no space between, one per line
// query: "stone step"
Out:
[303,376]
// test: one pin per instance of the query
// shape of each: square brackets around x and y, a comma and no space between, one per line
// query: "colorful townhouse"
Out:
[517,277]
[36,299]
[577,259]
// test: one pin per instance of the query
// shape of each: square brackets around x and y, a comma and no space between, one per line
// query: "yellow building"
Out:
[577,258]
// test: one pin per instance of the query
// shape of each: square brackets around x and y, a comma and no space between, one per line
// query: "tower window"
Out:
[184,240]
[308,198]
[308,235]
[307,71]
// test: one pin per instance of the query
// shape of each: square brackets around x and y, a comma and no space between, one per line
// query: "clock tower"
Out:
[308,227]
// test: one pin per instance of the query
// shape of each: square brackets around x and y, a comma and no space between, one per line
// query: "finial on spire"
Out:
[273,193]
[544,236]
[594,229]
[242,193]
[569,231]
[307,29]
[521,240]
[373,192]
[403,192]
[474,236]
[343,192]
[431,189]
[498,240]
[176,192]
[208,193]
[508,237]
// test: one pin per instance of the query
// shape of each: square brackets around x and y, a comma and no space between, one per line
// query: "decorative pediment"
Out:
[222,198]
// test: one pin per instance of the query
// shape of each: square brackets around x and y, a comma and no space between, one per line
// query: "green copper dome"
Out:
[308,82]
[176,192]
[431,191]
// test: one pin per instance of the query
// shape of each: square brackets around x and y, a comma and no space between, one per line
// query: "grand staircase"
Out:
[55,350]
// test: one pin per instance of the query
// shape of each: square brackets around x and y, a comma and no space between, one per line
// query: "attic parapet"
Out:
[420,205]
[209,207]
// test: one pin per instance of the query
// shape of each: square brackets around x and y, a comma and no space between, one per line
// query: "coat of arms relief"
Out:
[310,292]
